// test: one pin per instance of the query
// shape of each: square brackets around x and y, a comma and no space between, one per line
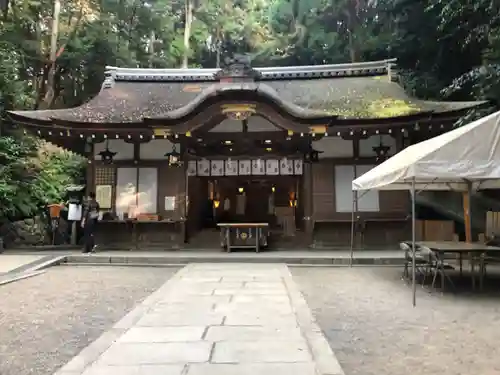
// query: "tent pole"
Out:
[354,194]
[413,260]
[467,213]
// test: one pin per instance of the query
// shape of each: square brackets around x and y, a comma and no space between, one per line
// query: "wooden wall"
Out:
[323,193]
[171,182]
[394,201]
[323,190]
[318,193]
[198,195]
[332,228]
[160,235]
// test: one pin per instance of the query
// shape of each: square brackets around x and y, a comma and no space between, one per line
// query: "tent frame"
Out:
[412,184]
[464,159]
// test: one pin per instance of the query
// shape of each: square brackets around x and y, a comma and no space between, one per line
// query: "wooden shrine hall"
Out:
[242,156]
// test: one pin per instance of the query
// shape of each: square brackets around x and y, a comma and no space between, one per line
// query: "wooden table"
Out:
[476,251]
[243,235]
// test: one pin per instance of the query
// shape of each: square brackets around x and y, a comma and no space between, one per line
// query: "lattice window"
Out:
[105,176]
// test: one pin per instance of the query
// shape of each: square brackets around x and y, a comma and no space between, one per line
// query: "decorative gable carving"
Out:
[237,69]
[254,124]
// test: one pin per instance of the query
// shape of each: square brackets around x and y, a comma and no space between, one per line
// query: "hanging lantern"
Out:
[107,155]
[174,157]
[312,156]
[381,150]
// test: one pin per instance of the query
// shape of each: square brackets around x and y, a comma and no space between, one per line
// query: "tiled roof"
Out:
[350,91]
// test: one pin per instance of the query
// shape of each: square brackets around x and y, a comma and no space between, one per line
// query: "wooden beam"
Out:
[355,148]
[467,216]
[137,151]
[131,163]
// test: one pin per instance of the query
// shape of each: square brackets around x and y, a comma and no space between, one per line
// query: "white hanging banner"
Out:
[245,167]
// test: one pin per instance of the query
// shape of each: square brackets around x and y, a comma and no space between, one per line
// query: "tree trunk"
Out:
[353,24]
[353,52]
[217,57]
[218,46]
[152,41]
[187,31]
[49,94]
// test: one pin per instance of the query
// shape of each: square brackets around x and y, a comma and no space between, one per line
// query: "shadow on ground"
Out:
[467,284]
[368,318]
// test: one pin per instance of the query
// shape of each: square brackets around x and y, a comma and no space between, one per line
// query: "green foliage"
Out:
[455,55]
[58,170]
[445,49]
[30,179]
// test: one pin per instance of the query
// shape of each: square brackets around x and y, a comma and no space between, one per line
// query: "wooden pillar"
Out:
[399,138]
[186,200]
[137,151]
[467,215]
[355,148]
[90,171]
[184,196]
[308,201]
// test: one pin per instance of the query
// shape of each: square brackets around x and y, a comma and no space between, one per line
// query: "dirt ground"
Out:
[47,319]
[368,318]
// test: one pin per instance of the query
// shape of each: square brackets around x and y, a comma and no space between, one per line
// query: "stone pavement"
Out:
[215,319]
[9,263]
[293,257]
[15,267]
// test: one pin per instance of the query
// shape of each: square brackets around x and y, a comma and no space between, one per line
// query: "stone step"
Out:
[289,258]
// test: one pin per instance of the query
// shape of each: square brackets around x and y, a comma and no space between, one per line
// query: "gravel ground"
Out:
[368,318]
[47,319]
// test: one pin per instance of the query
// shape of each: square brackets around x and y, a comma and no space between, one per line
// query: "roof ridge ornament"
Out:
[237,69]
[109,78]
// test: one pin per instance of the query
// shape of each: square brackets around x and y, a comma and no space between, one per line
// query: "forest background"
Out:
[53,54]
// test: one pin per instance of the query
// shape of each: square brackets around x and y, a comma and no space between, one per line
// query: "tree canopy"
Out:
[53,53]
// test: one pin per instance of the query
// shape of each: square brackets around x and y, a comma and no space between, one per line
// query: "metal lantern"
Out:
[107,155]
[174,157]
[312,156]
[381,150]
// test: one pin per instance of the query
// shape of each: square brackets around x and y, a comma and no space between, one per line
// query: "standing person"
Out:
[89,223]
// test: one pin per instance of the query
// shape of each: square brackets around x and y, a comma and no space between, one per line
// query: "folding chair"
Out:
[422,266]
[491,237]
[438,265]
[488,258]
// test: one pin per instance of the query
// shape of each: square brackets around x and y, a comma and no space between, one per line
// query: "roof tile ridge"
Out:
[352,69]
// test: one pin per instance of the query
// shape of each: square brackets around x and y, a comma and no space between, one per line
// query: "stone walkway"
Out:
[9,263]
[214,319]
[17,267]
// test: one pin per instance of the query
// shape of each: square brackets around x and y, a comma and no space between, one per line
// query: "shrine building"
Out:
[174,152]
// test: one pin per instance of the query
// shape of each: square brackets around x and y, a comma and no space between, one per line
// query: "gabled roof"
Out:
[344,91]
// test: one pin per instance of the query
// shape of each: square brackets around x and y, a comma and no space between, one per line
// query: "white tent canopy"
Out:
[469,154]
